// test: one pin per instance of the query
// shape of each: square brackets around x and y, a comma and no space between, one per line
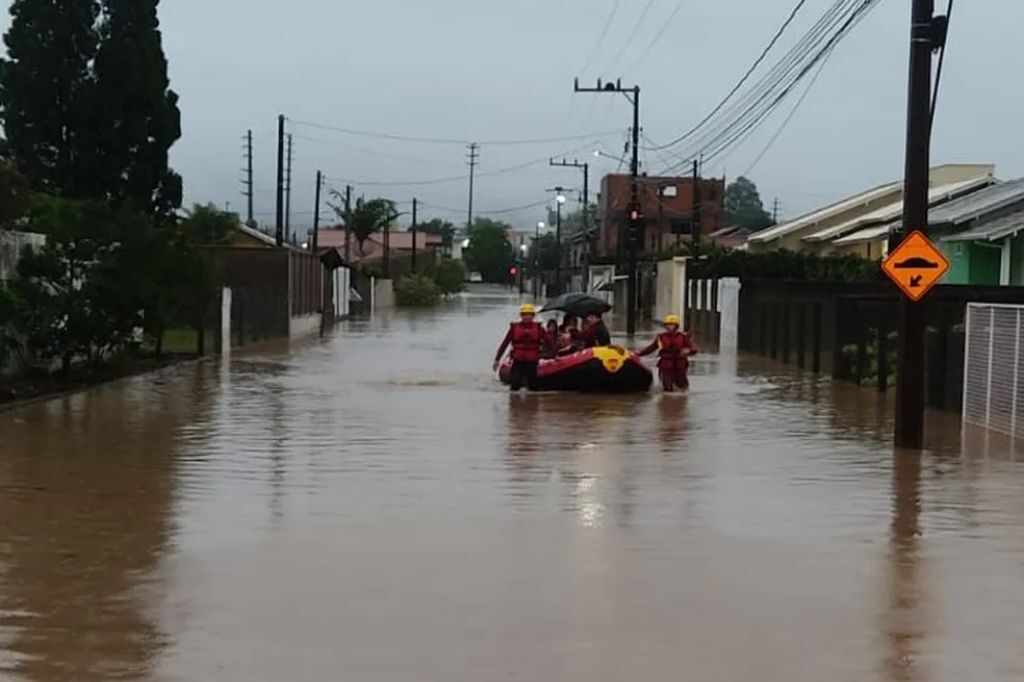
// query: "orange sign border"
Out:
[912,294]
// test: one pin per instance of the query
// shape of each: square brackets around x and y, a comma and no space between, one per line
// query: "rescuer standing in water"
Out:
[674,350]
[526,337]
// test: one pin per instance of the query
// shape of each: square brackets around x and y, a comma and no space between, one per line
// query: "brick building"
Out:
[667,206]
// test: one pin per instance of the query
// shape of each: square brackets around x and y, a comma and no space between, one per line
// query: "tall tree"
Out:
[365,218]
[136,118]
[490,252]
[743,205]
[45,85]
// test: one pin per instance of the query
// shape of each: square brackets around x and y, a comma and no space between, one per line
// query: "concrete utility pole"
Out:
[559,200]
[279,204]
[288,194]
[927,33]
[414,207]
[585,167]
[697,216]
[315,239]
[474,159]
[247,183]
[634,209]
[348,226]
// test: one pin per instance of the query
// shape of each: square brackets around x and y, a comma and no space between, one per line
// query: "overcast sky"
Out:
[503,69]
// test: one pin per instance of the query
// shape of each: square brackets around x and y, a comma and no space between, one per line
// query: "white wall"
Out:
[729,308]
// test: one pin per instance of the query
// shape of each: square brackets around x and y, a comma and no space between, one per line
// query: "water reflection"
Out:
[85,519]
[904,627]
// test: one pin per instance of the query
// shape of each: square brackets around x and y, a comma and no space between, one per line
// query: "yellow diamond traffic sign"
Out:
[916,266]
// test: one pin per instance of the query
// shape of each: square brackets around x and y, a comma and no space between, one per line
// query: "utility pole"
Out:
[927,33]
[536,261]
[634,210]
[775,211]
[315,239]
[247,183]
[474,159]
[414,206]
[387,243]
[288,194]
[279,203]
[585,167]
[559,200]
[697,212]
[348,224]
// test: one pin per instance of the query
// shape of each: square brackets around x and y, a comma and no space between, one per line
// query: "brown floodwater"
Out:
[373,506]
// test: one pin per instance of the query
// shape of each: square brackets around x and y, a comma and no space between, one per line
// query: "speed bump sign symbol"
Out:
[916,266]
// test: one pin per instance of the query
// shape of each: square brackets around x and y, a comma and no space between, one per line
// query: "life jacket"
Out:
[670,350]
[526,340]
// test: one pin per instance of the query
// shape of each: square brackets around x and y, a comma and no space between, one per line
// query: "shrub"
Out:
[417,291]
[450,276]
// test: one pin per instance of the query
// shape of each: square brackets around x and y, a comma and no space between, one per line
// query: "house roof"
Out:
[972,206]
[868,234]
[809,219]
[863,198]
[893,211]
[992,230]
[258,235]
[399,241]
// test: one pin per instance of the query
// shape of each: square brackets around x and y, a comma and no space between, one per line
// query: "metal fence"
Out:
[993,394]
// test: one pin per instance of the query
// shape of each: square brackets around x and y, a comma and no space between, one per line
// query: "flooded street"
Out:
[374,506]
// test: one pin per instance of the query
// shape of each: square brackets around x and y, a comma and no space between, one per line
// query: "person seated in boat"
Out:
[527,337]
[570,330]
[595,332]
[674,350]
[556,340]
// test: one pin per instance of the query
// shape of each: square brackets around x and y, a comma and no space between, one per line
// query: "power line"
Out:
[789,117]
[746,76]
[766,97]
[632,34]
[452,141]
[498,211]
[601,37]
[657,38]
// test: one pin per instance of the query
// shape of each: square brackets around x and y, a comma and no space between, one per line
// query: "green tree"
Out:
[365,218]
[743,205]
[45,93]
[136,116]
[490,252]
[439,227]
[14,194]
[209,226]
[450,276]
[544,251]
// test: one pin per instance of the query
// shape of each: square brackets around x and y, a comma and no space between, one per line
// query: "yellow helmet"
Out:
[527,309]
[671,319]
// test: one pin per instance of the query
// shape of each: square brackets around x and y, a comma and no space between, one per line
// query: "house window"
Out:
[669,191]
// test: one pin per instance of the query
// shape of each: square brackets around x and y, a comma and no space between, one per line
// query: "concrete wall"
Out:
[729,307]
[383,294]
[342,296]
[11,244]
[671,283]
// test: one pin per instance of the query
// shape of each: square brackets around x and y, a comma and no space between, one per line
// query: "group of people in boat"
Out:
[531,342]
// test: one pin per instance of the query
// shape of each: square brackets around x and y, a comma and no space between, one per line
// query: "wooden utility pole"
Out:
[288,194]
[348,225]
[696,212]
[474,159]
[249,220]
[414,207]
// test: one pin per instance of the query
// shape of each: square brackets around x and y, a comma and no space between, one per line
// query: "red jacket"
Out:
[526,340]
[673,349]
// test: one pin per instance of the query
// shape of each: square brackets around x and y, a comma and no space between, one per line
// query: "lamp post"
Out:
[523,248]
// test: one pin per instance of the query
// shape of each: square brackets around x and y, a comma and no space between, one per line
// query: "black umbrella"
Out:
[577,305]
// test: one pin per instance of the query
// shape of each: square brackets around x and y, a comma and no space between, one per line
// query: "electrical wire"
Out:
[938,71]
[601,37]
[764,54]
[789,117]
[657,38]
[362,150]
[632,34]
[499,211]
[737,125]
[441,140]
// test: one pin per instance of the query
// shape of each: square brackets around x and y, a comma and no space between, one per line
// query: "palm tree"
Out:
[365,218]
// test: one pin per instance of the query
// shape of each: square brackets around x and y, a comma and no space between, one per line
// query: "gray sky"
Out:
[490,69]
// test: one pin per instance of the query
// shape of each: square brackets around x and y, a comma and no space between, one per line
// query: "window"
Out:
[669,191]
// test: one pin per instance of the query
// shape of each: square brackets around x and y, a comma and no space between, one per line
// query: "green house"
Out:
[982,235]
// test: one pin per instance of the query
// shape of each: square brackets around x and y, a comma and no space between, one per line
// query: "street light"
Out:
[559,201]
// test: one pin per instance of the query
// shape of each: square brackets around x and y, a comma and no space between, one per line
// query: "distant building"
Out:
[373,247]
[667,205]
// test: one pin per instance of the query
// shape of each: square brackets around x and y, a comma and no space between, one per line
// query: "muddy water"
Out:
[375,507]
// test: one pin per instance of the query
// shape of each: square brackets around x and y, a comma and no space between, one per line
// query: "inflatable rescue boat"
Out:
[607,369]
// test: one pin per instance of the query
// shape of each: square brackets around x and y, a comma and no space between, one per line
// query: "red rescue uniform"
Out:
[674,351]
[527,340]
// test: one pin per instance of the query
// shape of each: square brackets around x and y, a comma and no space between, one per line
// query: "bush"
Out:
[450,276]
[8,307]
[417,291]
[787,265]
